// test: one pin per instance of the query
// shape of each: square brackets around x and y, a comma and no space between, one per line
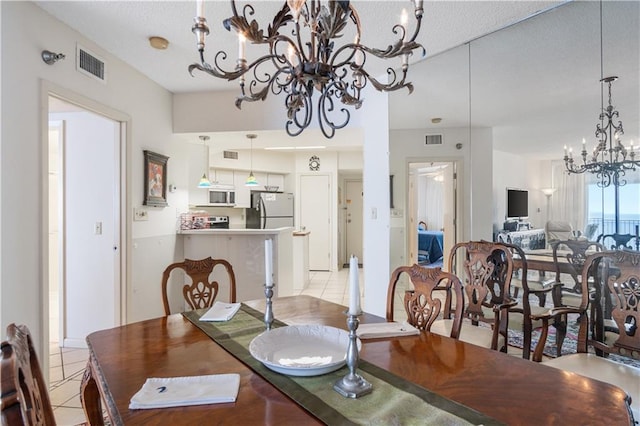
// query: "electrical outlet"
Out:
[140,214]
[98,228]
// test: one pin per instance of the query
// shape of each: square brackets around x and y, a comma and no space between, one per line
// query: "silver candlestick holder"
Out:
[352,385]
[268,312]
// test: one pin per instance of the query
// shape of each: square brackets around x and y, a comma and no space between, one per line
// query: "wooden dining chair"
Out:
[616,277]
[201,292]
[486,270]
[432,290]
[539,288]
[23,392]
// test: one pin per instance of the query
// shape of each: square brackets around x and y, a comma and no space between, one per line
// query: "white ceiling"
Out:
[535,83]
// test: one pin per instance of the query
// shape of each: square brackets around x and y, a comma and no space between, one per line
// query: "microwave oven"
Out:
[222,195]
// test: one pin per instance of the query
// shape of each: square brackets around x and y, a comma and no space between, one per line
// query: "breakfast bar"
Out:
[244,249]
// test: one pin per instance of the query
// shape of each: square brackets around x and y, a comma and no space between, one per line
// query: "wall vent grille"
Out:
[233,155]
[433,140]
[90,65]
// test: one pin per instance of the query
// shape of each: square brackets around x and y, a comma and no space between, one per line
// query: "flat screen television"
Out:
[517,203]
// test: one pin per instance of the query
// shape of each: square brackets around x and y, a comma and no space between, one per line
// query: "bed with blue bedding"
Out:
[430,247]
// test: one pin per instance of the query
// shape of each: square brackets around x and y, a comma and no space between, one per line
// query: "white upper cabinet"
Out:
[222,176]
[275,180]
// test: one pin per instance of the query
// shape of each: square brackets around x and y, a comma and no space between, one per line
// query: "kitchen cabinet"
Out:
[243,193]
[222,176]
[275,180]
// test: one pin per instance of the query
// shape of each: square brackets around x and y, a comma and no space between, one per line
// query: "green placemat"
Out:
[394,400]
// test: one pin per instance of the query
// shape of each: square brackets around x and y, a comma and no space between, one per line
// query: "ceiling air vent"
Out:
[89,64]
[433,140]
[233,155]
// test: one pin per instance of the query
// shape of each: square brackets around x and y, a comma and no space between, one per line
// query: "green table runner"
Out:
[394,401]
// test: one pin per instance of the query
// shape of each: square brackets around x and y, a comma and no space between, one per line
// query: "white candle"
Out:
[268,262]
[241,41]
[200,8]
[354,287]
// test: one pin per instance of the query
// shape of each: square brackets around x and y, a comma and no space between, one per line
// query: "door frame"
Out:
[458,191]
[123,221]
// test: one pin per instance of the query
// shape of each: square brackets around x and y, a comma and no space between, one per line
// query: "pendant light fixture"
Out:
[204,180]
[251,180]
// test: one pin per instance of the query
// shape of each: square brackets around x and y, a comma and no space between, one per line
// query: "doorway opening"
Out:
[432,205]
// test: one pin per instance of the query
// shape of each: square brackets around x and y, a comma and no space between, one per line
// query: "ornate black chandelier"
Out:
[610,159]
[304,61]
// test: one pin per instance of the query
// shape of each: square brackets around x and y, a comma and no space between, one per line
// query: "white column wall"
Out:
[376,200]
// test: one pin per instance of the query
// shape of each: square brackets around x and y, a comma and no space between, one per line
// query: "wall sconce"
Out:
[51,58]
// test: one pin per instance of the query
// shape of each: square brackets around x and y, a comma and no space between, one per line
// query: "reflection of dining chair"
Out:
[23,392]
[486,270]
[422,304]
[201,292]
[569,259]
[539,288]
[618,272]
[620,241]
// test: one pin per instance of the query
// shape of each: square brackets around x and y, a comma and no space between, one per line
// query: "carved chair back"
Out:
[569,256]
[24,395]
[620,241]
[201,292]
[616,296]
[422,304]
[487,268]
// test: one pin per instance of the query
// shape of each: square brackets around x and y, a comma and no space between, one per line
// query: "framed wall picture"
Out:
[155,179]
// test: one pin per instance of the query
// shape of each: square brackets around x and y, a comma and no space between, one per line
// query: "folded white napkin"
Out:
[183,391]
[386,329]
[221,311]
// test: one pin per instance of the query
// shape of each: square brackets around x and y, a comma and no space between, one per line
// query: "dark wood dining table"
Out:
[507,388]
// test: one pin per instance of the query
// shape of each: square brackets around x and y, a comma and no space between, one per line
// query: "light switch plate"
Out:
[140,214]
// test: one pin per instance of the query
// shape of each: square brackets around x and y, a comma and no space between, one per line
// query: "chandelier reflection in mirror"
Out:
[305,62]
[610,159]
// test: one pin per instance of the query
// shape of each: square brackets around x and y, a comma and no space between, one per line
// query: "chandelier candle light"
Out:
[353,385]
[304,60]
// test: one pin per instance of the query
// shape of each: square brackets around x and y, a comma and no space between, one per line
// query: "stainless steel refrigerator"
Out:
[270,210]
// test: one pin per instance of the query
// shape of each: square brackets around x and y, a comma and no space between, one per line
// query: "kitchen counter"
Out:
[244,249]
[239,231]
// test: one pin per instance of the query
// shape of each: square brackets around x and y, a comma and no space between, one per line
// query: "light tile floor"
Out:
[66,367]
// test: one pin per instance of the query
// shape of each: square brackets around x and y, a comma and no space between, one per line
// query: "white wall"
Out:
[24,120]
[515,171]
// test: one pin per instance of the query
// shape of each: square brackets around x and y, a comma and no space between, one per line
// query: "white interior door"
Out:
[315,216]
[353,201]
[90,208]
